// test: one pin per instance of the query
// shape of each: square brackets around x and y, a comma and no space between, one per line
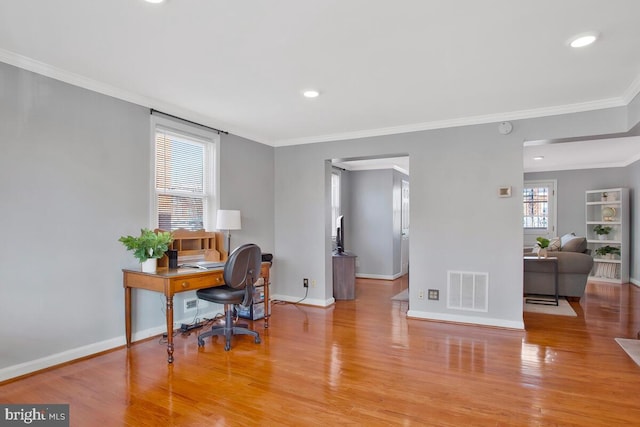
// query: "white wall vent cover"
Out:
[468,291]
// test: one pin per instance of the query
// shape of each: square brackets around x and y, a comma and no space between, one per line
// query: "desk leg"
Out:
[169,328]
[266,303]
[127,314]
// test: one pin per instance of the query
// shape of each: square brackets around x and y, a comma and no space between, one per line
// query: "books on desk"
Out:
[204,265]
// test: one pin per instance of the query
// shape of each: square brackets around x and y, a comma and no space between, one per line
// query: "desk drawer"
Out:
[183,284]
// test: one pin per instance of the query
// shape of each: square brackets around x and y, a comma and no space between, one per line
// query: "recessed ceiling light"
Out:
[538,158]
[583,40]
[154,1]
[311,93]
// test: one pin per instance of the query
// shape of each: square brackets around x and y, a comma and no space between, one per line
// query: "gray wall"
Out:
[571,189]
[371,221]
[374,224]
[74,177]
[458,222]
[572,185]
[246,183]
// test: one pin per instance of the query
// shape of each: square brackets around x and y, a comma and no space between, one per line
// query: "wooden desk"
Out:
[171,282]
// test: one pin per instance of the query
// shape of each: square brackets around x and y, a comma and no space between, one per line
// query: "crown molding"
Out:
[465,121]
[622,164]
[74,79]
[47,70]
[632,91]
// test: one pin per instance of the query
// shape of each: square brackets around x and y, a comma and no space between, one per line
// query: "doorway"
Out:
[374,201]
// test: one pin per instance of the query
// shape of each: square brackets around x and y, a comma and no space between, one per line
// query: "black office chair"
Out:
[241,271]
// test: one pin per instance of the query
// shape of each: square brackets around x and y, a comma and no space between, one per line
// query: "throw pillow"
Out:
[554,244]
[564,239]
[577,244]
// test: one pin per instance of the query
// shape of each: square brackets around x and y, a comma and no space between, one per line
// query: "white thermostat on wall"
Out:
[504,191]
[505,128]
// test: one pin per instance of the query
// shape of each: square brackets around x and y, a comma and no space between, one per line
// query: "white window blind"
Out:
[181,170]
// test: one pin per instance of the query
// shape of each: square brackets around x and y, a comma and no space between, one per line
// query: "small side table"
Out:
[552,264]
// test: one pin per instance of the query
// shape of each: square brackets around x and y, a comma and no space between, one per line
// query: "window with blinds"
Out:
[181,185]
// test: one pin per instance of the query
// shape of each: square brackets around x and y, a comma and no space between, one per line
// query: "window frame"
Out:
[335,211]
[530,234]
[211,142]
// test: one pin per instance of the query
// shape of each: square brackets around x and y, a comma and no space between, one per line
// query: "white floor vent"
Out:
[468,291]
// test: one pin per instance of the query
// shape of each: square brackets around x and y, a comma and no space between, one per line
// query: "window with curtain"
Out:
[183,179]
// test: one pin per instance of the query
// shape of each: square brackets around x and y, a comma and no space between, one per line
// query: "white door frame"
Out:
[405,196]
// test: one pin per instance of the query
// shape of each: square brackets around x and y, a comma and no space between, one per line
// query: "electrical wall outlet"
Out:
[190,304]
[434,294]
[305,282]
[421,294]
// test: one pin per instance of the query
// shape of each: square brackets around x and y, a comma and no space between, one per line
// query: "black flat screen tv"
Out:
[340,234]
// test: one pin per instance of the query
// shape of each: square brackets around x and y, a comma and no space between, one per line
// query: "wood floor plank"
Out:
[363,362]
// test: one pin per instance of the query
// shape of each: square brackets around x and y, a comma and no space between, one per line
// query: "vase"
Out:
[150,265]
[602,236]
[542,253]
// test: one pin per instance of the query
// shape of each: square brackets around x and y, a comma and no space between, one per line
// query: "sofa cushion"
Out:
[565,239]
[554,244]
[577,244]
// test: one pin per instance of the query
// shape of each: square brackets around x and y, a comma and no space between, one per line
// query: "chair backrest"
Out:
[242,269]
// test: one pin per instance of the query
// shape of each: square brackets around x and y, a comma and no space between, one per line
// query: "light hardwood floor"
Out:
[363,363]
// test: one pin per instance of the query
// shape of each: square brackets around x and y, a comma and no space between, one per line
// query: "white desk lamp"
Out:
[228,220]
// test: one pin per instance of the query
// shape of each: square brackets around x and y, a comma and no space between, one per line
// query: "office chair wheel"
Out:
[257,340]
[227,346]
[200,342]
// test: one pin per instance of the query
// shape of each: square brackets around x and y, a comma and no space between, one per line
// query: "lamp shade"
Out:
[228,220]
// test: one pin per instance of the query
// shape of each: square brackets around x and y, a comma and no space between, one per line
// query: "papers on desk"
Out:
[204,265]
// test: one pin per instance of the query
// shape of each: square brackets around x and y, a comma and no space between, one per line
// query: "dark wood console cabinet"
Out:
[344,276]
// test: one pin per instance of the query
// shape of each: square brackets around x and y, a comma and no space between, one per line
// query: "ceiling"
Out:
[381,67]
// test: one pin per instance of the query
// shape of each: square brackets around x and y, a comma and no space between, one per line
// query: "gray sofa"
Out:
[574,266]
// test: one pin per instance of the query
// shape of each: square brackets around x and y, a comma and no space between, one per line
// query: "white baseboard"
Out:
[306,301]
[378,276]
[635,282]
[476,320]
[58,358]
[87,350]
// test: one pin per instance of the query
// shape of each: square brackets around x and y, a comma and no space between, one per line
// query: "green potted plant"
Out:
[542,244]
[608,251]
[148,247]
[602,231]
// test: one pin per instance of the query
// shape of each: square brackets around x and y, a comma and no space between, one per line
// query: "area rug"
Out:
[632,347]
[402,296]
[563,308]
